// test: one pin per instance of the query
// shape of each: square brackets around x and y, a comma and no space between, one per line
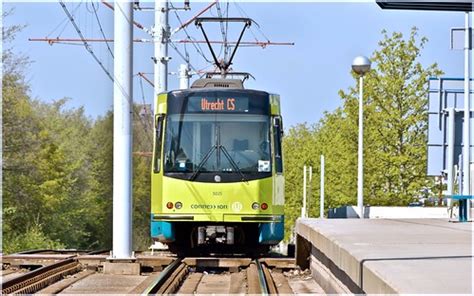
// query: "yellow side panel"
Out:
[161,103]
[279,190]
[275,104]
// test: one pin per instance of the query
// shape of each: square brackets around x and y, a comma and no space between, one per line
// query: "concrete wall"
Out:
[387,256]
[394,212]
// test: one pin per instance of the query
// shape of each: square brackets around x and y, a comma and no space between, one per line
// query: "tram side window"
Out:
[277,133]
[158,143]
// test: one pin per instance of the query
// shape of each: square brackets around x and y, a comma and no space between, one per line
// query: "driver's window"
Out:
[158,142]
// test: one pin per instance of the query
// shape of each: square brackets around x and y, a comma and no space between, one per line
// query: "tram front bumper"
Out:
[271,227]
[247,218]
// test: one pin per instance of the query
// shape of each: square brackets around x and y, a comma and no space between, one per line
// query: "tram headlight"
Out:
[255,206]
[264,206]
[169,205]
[178,205]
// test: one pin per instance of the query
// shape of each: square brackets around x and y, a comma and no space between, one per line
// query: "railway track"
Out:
[78,274]
[40,278]
[64,263]
[180,278]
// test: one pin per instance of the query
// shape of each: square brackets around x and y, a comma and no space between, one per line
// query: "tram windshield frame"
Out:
[233,144]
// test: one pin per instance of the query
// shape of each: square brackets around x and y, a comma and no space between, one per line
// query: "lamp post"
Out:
[360,65]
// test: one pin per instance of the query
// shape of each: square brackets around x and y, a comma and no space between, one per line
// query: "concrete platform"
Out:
[390,255]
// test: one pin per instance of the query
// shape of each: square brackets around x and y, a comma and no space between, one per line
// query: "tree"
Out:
[396,120]
[143,142]
[395,135]
[100,191]
[58,167]
[299,149]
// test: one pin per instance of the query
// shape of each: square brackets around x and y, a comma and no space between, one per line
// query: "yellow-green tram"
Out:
[217,175]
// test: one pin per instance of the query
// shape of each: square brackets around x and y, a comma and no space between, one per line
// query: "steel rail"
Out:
[37,279]
[271,286]
[42,251]
[261,278]
[168,279]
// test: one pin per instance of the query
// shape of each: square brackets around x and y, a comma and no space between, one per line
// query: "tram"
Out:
[217,173]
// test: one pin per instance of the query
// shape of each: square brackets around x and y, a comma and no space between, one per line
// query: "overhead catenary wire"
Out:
[64,22]
[86,44]
[136,24]
[196,46]
[100,28]
[183,41]
[142,75]
[244,14]
[194,17]
[223,32]
[227,24]
[91,51]
[140,78]
[145,124]
[173,46]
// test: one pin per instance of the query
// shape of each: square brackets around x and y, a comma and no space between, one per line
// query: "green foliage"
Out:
[57,171]
[142,131]
[99,194]
[33,239]
[395,135]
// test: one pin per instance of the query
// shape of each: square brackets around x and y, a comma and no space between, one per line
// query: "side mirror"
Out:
[159,119]
[278,123]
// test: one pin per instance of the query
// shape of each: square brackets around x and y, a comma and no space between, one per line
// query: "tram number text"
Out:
[209,207]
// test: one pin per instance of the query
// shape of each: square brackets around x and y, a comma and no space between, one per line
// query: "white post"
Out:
[450,156]
[450,160]
[310,180]
[360,169]
[321,202]
[183,76]
[303,209]
[467,117]
[161,39]
[123,104]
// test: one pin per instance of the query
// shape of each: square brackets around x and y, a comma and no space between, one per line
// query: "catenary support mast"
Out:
[161,34]
[183,76]
[123,90]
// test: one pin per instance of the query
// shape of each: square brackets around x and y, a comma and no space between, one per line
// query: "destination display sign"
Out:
[218,104]
[218,101]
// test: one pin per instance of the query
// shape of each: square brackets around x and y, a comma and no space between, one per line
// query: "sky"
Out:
[308,75]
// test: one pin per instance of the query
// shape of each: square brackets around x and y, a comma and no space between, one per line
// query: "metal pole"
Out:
[123,89]
[360,168]
[303,209]
[161,39]
[450,164]
[1,122]
[467,109]
[310,180]
[321,202]
[183,76]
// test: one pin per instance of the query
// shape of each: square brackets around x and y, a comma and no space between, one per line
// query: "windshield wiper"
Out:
[203,161]
[232,162]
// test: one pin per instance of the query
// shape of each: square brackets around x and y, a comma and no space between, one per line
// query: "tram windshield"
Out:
[224,143]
